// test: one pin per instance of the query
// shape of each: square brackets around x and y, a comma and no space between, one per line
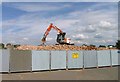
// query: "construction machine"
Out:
[60,36]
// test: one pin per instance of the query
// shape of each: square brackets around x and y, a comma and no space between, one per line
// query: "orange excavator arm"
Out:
[48,30]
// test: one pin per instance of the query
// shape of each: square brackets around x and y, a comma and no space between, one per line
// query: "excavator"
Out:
[60,36]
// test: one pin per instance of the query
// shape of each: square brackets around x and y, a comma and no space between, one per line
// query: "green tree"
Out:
[110,46]
[92,45]
[2,45]
[118,44]
[8,44]
[15,46]
[102,46]
[84,45]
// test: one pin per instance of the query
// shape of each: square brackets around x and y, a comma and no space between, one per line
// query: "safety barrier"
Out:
[20,60]
[0,60]
[104,58]
[114,57]
[26,60]
[90,59]
[40,60]
[75,59]
[58,60]
[4,60]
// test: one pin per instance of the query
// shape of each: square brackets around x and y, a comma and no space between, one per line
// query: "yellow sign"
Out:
[75,55]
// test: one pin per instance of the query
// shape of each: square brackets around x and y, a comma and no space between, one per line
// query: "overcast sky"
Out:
[84,22]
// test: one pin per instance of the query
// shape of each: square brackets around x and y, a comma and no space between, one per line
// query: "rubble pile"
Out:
[55,47]
[106,48]
[27,47]
[64,47]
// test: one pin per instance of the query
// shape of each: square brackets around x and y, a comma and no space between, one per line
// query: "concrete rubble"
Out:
[59,47]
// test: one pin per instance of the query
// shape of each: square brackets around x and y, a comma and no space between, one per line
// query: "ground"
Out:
[106,73]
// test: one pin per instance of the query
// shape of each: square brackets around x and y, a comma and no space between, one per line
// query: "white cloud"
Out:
[61,1]
[80,36]
[64,23]
[105,24]
[90,29]
[105,41]
[49,39]
[25,39]
[98,35]
[81,26]
[13,42]
[39,7]
[80,42]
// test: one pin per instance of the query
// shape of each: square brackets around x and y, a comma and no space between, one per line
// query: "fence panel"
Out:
[20,60]
[4,60]
[90,58]
[58,59]
[103,58]
[0,60]
[40,60]
[114,55]
[75,59]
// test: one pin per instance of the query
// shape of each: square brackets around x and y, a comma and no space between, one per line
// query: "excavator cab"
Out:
[61,38]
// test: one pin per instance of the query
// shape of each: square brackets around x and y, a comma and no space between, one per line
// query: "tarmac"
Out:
[106,73]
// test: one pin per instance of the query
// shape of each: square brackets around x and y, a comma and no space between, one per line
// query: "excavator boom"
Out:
[46,33]
[48,30]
